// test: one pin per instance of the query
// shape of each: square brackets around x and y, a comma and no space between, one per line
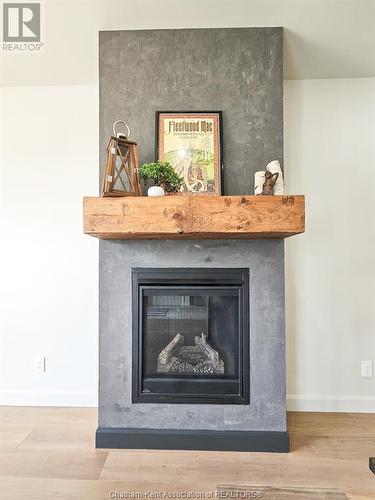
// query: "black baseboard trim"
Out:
[172,439]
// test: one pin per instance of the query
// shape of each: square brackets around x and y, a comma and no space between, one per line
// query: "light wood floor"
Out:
[48,453]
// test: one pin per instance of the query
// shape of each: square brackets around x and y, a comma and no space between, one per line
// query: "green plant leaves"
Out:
[162,174]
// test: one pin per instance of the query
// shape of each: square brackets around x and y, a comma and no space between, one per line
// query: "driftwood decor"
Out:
[269,182]
[259,178]
[121,174]
[276,182]
[275,167]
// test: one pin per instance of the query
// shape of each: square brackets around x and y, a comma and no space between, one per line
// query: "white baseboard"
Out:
[308,402]
[330,403]
[49,398]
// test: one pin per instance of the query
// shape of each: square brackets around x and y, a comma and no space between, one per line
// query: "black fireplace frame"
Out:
[190,277]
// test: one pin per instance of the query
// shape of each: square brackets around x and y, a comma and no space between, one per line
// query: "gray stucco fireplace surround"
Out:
[258,423]
[191,332]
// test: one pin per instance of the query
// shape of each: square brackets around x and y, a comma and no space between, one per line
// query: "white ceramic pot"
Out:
[155,191]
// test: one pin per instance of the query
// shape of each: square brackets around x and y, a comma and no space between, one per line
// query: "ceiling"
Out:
[323,38]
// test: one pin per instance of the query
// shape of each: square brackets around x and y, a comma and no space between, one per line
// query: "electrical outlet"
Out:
[40,364]
[366,369]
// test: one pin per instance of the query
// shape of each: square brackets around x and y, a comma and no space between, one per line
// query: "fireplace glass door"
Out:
[190,336]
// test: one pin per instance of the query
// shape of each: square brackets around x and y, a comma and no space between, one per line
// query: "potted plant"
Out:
[164,176]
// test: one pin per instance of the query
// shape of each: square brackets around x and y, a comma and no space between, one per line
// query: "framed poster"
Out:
[192,143]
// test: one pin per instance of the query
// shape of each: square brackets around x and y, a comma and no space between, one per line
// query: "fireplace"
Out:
[165,385]
[190,336]
[161,383]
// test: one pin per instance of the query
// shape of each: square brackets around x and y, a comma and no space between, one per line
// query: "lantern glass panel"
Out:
[121,180]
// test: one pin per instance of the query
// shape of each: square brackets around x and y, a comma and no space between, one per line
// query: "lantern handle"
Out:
[117,122]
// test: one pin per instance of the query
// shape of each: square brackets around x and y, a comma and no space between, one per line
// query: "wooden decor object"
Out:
[269,182]
[194,217]
[275,167]
[121,174]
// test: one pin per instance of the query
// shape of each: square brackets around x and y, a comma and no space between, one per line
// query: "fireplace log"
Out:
[166,354]
[210,353]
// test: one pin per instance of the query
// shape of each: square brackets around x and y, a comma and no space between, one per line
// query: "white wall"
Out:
[48,304]
[49,160]
[330,151]
[323,38]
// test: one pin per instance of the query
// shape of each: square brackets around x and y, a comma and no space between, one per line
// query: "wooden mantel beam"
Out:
[194,217]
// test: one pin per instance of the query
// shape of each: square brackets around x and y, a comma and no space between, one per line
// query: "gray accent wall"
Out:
[237,71]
